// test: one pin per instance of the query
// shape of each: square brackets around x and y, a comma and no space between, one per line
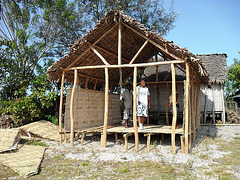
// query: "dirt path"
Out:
[215,155]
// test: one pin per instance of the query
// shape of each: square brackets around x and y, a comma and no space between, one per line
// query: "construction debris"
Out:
[9,139]
[26,161]
[233,117]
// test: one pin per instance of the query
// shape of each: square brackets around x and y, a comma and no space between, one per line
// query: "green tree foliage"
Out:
[34,33]
[233,82]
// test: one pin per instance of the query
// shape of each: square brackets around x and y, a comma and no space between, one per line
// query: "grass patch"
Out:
[6,172]
[208,173]
[85,164]
[36,143]
[125,169]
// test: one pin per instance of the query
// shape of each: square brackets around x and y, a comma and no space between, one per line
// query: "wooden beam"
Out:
[92,45]
[104,140]
[60,107]
[126,65]
[139,51]
[167,76]
[174,108]
[186,107]
[190,110]
[135,108]
[154,43]
[107,51]
[198,105]
[167,120]
[71,106]
[99,55]
[223,105]
[194,110]
[120,42]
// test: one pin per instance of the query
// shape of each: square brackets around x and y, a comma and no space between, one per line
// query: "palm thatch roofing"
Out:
[216,65]
[104,38]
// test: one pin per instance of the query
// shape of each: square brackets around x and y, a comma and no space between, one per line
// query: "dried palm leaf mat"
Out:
[26,160]
[9,139]
[43,129]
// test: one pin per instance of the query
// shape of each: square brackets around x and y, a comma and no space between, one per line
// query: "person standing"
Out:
[127,99]
[143,103]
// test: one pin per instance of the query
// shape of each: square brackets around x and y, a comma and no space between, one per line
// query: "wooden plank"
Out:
[139,51]
[174,108]
[167,120]
[135,108]
[60,107]
[186,107]
[93,45]
[71,106]
[99,55]
[126,65]
[120,42]
[104,140]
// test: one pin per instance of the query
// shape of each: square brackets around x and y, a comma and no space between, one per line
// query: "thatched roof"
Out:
[81,55]
[216,66]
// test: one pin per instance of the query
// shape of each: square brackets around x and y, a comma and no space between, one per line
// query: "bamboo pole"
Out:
[126,65]
[71,106]
[223,105]
[186,107]
[167,120]
[135,108]
[120,42]
[190,109]
[194,100]
[174,108]
[198,105]
[104,139]
[99,55]
[95,86]
[92,45]
[139,51]
[86,83]
[60,108]
[156,60]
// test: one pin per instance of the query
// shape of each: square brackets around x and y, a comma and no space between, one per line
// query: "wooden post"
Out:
[82,138]
[213,106]
[86,83]
[223,105]
[205,105]
[190,109]
[135,108]
[186,107]
[71,106]
[194,109]
[60,108]
[198,105]
[174,119]
[167,120]
[104,139]
[120,42]
[182,144]
[156,68]
[148,142]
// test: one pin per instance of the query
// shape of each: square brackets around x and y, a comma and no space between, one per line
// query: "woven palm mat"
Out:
[9,139]
[25,161]
[43,129]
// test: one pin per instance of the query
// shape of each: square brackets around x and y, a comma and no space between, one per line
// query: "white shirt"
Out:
[142,95]
[128,98]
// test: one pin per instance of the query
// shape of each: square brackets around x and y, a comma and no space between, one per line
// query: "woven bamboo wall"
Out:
[88,109]
[158,93]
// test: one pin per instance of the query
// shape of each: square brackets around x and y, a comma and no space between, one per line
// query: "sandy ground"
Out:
[205,155]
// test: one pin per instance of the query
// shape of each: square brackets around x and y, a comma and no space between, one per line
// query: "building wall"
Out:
[212,97]
[158,95]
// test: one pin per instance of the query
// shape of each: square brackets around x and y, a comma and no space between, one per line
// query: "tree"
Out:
[34,33]
[233,81]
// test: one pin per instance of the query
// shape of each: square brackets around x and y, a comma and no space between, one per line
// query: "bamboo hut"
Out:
[211,97]
[105,57]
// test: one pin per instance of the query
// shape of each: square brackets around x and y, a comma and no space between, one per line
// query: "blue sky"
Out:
[207,26]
